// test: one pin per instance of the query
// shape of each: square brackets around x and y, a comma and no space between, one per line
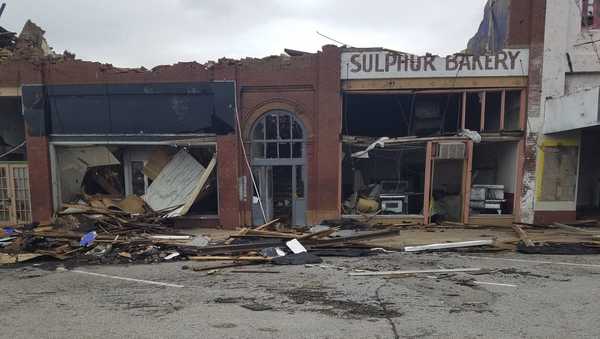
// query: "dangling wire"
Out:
[239,126]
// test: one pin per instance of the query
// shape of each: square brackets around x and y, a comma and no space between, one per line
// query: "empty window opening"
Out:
[493,103]
[397,115]
[588,191]
[493,178]
[12,129]
[111,173]
[473,111]
[390,181]
[512,110]
[446,190]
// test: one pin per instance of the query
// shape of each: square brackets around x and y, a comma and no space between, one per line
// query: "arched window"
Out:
[278,135]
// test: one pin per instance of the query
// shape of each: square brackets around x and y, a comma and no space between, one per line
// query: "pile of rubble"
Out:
[102,231]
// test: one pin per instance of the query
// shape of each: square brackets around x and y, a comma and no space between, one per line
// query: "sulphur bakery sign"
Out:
[381,64]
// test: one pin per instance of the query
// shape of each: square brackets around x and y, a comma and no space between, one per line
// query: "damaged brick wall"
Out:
[519,24]
[309,81]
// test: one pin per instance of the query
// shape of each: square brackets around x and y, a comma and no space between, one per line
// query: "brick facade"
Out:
[307,85]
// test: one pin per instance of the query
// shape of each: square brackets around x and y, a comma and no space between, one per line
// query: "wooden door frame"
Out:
[12,210]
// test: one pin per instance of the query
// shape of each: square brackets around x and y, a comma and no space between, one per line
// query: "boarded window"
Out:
[560,173]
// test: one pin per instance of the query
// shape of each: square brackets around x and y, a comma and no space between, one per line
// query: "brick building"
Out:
[306,119]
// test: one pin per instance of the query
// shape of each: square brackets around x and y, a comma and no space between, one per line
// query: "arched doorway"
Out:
[278,147]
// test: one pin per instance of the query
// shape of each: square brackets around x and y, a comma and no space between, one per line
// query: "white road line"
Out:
[121,278]
[533,261]
[494,284]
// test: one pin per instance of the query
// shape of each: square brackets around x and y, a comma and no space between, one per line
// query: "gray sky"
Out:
[132,33]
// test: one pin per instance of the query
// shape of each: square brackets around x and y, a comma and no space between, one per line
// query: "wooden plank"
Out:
[432,83]
[482,122]
[467,184]
[320,234]
[448,245]
[234,258]
[574,229]
[522,235]
[361,236]
[254,271]
[502,109]
[427,186]
[463,111]
[267,225]
[449,270]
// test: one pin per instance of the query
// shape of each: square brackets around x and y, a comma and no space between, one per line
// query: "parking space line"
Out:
[122,278]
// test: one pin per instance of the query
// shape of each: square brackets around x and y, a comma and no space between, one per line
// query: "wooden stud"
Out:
[467,183]
[482,122]
[464,111]
[502,109]
[427,185]
[522,235]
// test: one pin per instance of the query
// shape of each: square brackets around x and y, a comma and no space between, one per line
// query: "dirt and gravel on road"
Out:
[514,295]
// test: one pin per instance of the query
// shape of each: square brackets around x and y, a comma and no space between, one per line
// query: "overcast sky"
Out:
[132,33]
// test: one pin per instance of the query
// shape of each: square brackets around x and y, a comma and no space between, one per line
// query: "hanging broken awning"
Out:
[130,109]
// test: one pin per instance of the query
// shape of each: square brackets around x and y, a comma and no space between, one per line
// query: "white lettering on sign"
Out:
[387,64]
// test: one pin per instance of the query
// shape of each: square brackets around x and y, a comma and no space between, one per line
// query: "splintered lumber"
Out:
[448,245]
[360,236]
[449,270]
[522,235]
[231,249]
[234,258]
[319,234]
[267,234]
[573,229]
[267,225]
[218,267]
[253,271]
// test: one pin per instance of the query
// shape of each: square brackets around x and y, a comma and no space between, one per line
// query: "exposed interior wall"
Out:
[495,163]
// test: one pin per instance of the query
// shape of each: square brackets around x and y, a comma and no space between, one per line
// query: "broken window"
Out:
[473,111]
[512,110]
[277,135]
[12,129]
[391,180]
[493,106]
[493,178]
[397,115]
[114,172]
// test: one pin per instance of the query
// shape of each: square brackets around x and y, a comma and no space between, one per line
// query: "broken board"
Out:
[178,184]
